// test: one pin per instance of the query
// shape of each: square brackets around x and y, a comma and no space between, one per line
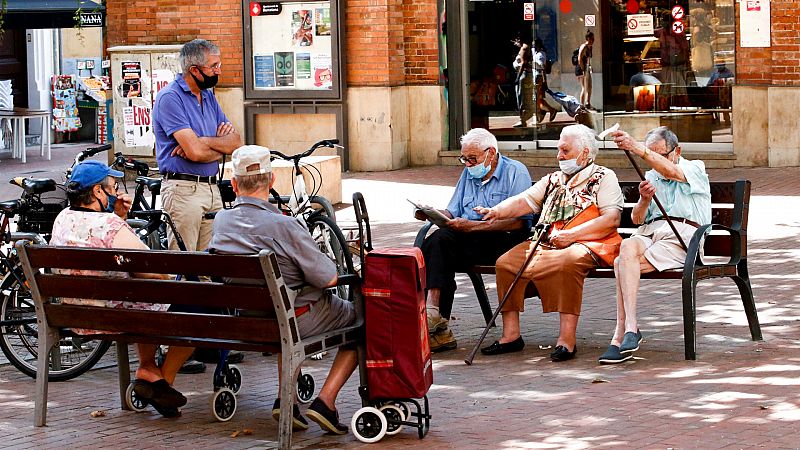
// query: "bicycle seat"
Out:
[10,206]
[38,185]
[153,184]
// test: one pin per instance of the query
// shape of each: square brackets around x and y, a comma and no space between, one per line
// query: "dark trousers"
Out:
[447,252]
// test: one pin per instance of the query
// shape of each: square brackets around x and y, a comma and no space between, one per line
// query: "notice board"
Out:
[292,50]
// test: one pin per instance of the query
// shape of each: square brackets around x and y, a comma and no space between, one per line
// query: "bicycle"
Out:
[36,209]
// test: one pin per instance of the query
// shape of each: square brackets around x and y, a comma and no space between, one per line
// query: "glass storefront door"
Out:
[525,105]
[676,72]
[653,62]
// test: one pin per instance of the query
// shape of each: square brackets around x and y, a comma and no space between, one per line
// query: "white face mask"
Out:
[570,166]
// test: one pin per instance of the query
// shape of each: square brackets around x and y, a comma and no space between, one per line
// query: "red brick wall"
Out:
[179,21]
[388,42]
[391,42]
[420,41]
[779,64]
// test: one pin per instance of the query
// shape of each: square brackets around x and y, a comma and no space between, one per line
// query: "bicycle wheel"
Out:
[70,358]
[331,242]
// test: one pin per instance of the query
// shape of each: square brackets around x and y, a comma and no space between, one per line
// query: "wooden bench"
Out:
[730,208]
[274,329]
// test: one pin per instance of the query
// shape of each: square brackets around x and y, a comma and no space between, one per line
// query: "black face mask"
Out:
[208,81]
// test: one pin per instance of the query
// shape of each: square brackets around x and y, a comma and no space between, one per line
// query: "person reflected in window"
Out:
[540,81]
[524,83]
[583,71]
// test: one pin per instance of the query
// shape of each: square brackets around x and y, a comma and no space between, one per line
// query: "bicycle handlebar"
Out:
[331,143]
[140,167]
[89,152]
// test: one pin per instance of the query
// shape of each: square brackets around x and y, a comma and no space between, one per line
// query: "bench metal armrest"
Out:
[422,233]
[693,253]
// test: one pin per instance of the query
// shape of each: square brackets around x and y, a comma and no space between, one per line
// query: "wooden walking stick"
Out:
[658,203]
[545,228]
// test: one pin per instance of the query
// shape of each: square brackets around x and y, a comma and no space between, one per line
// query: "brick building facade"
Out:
[397,114]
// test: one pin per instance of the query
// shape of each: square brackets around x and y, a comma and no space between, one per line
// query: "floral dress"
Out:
[84,228]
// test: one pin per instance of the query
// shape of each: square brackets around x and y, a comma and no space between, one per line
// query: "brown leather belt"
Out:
[300,310]
[675,219]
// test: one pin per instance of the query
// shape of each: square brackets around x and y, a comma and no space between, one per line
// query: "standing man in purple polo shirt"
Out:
[192,134]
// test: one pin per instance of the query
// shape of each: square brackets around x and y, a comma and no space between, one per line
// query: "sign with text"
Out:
[91,19]
[527,11]
[754,23]
[640,24]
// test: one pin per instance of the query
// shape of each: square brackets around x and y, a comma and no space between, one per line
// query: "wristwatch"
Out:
[645,153]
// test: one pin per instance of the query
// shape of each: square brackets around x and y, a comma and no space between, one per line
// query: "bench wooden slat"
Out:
[152,261]
[254,330]
[212,295]
[190,342]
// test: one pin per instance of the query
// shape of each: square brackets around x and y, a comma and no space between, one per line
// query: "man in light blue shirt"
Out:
[487,179]
[683,188]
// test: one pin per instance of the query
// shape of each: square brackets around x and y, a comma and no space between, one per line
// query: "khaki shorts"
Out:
[662,248]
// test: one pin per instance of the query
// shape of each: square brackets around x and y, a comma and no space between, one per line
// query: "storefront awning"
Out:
[27,14]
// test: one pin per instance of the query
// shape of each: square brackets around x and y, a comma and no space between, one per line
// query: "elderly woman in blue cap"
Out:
[96,218]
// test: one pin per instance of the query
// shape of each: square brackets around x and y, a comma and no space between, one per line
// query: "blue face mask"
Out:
[112,201]
[479,171]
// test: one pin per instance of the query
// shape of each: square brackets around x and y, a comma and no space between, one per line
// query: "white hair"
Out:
[585,136]
[195,53]
[479,137]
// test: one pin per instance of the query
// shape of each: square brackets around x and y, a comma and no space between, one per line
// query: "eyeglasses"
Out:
[115,186]
[667,154]
[214,67]
[472,160]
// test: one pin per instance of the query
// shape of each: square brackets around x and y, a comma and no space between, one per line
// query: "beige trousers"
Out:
[558,275]
[186,202]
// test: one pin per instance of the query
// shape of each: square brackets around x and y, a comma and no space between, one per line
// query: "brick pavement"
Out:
[738,394]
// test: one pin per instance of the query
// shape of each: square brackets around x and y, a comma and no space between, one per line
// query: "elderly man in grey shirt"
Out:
[253,224]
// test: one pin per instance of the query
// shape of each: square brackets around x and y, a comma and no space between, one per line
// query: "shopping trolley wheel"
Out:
[223,404]
[403,407]
[369,425]
[394,417]
[305,388]
[133,401]
[233,379]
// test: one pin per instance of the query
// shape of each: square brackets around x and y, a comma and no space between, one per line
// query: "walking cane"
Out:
[545,228]
[658,203]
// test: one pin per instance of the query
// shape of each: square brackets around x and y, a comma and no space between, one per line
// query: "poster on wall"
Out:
[284,68]
[65,105]
[137,126]
[754,23]
[321,66]
[292,48]
[322,21]
[131,79]
[302,35]
[161,78]
[264,71]
[302,65]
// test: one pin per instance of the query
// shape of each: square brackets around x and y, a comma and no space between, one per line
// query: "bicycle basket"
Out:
[40,216]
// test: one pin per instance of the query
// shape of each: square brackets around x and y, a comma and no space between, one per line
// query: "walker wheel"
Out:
[394,417]
[403,407]
[369,425]
[233,379]
[133,401]
[305,388]
[223,404]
